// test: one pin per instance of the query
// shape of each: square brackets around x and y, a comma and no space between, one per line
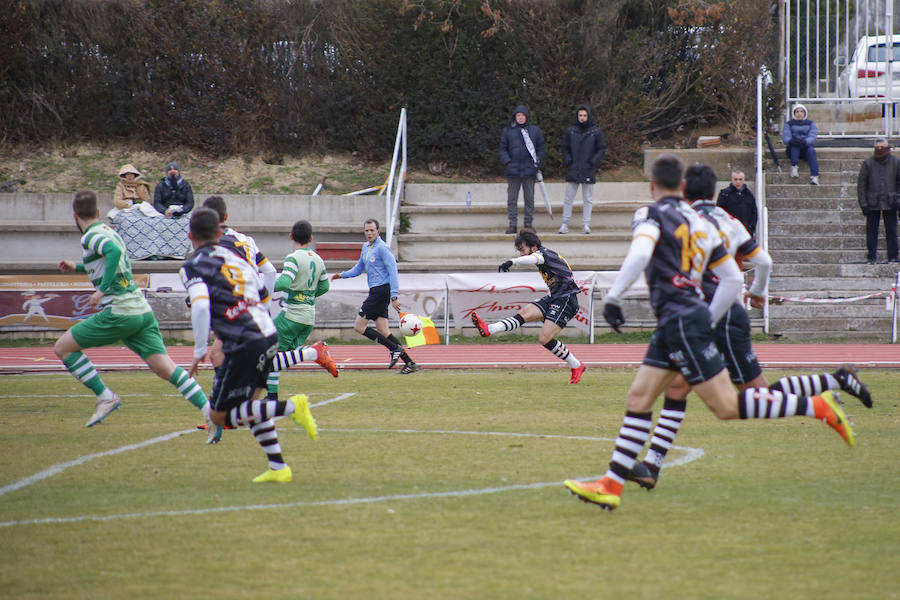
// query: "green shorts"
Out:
[290,333]
[140,333]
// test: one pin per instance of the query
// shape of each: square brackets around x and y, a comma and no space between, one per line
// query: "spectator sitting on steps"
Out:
[799,137]
[173,196]
[130,189]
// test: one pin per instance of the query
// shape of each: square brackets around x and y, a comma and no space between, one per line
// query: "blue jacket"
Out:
[799,133]
[514,155]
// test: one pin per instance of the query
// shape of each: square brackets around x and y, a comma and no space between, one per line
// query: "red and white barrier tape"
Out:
[781,299]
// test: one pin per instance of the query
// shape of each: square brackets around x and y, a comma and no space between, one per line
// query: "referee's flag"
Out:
[428,335]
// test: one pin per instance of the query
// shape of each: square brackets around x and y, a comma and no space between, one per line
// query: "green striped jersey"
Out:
[305,269]
[121,293]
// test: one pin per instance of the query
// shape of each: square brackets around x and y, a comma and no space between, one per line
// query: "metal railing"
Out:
[849,91]
[394,188]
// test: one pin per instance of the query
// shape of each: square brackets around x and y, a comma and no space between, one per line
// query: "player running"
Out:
[732,333]
[303,279]
[225,293]
[245,245]
[555,309]
[671,241]
[126,316]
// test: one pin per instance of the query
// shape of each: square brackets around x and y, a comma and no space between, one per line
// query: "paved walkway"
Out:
[483,356]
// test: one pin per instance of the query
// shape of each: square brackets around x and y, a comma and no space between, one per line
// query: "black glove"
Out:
[613,315]
[504,268]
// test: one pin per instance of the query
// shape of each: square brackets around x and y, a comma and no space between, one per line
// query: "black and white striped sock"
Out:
[666,429]
[267,437]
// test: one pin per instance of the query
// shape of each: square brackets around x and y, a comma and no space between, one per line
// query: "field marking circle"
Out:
[690,455]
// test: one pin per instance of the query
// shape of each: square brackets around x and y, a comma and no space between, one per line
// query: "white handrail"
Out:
[762,225]
[392,195]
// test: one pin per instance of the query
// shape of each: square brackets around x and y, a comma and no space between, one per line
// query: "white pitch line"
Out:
[335,399]
[691,454]
[59,468]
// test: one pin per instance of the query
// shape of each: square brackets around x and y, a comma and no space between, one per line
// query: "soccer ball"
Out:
[410,325]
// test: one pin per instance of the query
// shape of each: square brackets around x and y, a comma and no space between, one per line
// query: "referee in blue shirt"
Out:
[380,267]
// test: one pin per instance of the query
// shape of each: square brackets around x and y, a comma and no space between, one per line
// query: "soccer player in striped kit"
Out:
[673,243]
[555,309]
[732,333]
[225,293]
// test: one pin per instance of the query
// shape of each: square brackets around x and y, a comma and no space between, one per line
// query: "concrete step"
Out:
[784,177]
[874,308]
[849,270]
[846,203]
[807,190]
[798,243]
[454,194]
[791,233]
[465,247]
[489,265]
[793,285]
[835,326]
[822,257]
[487,218]
[843,334]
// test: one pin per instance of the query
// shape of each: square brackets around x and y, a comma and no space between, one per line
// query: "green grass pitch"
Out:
[446,484]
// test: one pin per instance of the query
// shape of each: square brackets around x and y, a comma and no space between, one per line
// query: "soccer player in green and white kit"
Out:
[303,279]
[126,316]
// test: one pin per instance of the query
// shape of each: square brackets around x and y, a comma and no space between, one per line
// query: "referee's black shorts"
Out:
[377,302]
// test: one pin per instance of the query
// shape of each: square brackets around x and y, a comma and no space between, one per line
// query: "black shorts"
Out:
[559,311]
[686,344]
[733,340]
[377,302]
[243,372]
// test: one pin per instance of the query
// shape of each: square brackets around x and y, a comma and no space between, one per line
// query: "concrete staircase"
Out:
[446,235]
[817,238]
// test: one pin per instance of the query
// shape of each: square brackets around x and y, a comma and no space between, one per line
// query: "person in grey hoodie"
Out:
[522,150]
[583,147]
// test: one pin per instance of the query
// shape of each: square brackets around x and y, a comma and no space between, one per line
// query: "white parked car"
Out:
[865,75]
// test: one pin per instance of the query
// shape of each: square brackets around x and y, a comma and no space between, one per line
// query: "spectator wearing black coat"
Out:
[522,150]
[583,148]
[173,195]
[877,191]
[738,201]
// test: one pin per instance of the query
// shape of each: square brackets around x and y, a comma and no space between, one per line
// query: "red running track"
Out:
[482,356]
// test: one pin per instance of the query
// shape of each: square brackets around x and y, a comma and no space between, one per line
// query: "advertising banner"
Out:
[47,301]
[420,293]
[498,295]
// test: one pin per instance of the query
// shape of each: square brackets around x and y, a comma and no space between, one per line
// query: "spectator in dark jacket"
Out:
[583,147]
[877,191]
[738,201]
[173,195]
[799,136]
[522,150]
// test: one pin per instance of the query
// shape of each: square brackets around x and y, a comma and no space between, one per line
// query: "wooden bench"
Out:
[338,250]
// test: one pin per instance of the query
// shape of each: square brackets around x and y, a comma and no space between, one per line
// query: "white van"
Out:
[866,74]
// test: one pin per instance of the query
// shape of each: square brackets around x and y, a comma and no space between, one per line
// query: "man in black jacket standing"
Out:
[738,201]
[877,190]
[522,150]
[583,148]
